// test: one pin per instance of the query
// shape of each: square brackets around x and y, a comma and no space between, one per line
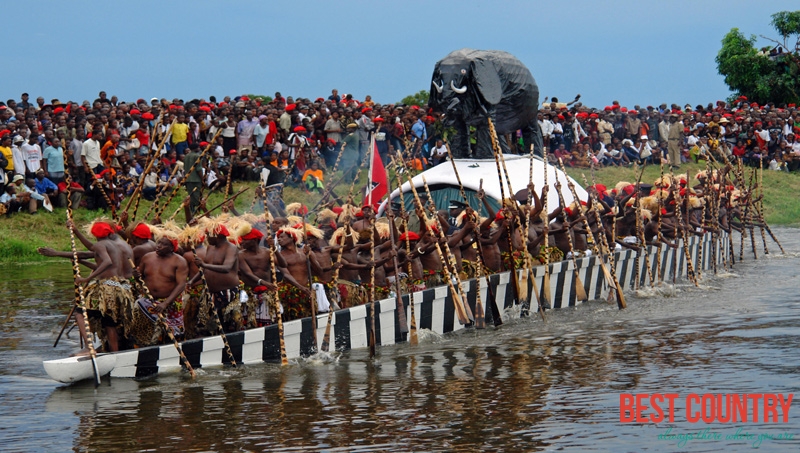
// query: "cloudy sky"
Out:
[634,51]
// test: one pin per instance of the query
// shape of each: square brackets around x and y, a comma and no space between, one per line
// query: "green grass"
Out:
[22,234]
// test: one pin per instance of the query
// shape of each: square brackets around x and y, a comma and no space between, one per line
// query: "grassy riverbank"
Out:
[22,234]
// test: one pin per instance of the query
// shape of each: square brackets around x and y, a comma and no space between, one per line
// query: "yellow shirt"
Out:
[180,132]
[9,157]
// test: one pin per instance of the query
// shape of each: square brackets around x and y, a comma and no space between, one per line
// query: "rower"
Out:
[165,272]
[108,288]
[221,268]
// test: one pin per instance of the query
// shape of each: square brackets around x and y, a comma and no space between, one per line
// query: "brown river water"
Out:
[526,386]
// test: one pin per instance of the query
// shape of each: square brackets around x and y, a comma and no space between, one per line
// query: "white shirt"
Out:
[440,151]
[32,155]
[547,127]
[18,158]
[90,151]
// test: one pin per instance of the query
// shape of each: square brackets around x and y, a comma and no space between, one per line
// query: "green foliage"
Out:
[264,99]
[754,74]
[787,23]
[419,99]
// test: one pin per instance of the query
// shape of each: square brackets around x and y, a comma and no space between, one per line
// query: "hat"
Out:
[724,121]
[303,107]
[353,125]
[378,119]
[17,178]
[411,236]
[291,107]
[18,139]
[147,116]
[300,129]
[455,204]
[142,231]
[101,230]
[253,234]
[135,112]
[396,206]
[153,99]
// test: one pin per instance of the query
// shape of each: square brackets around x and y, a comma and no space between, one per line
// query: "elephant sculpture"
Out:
[470,86]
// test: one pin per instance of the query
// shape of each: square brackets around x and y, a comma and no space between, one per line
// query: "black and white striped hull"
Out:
[433,308]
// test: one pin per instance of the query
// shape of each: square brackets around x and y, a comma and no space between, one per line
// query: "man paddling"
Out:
[164,272]
[108,288]
[220,265]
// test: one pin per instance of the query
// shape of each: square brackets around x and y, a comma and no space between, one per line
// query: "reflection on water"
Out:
[526,386]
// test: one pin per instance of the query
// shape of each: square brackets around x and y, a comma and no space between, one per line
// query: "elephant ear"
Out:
[487,80]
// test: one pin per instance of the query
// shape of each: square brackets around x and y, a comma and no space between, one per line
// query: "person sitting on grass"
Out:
[12,203]
[313,178]
[45,186]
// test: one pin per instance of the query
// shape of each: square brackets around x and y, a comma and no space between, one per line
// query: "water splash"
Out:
[322,358]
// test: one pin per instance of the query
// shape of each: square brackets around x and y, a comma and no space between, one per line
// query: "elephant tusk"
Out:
[439,88]
[461,90]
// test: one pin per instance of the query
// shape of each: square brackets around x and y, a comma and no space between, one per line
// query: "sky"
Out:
[634,51]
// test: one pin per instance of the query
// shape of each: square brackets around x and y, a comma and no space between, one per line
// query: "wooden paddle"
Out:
[311,284]
[80,300]
[183,181]
[455,294]
[412,337]
[545,231]
[276,297]
[480,319]
[163,322]
[580,290]
[399,307]
[605,247]
[153,159]
[150,160]
[498,156]
[216,315]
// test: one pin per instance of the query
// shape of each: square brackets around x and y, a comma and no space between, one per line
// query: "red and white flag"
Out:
[377,184]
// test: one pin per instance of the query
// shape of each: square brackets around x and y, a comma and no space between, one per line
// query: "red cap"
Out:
[629,189]
[299,129]
[411,236]
[233,151]
[101,230]
[632,112]
[244,98]
[291,107]
[366,109]
[253,234]
[147,116]
[378,119]
[337,210]
[221,230]
[135,112]
[142,231]
[205,108]
[58,110]
[203,144]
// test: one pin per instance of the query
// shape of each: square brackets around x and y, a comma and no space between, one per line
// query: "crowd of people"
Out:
[246,270]
[105,145]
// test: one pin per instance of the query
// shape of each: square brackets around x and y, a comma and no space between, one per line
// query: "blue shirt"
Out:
[55,159]
[44,185]
[418,129]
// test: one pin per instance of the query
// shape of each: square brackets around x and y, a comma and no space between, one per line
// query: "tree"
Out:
[419,99]
[766,75]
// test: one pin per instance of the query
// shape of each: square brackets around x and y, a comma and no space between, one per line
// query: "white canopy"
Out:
[473,171]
